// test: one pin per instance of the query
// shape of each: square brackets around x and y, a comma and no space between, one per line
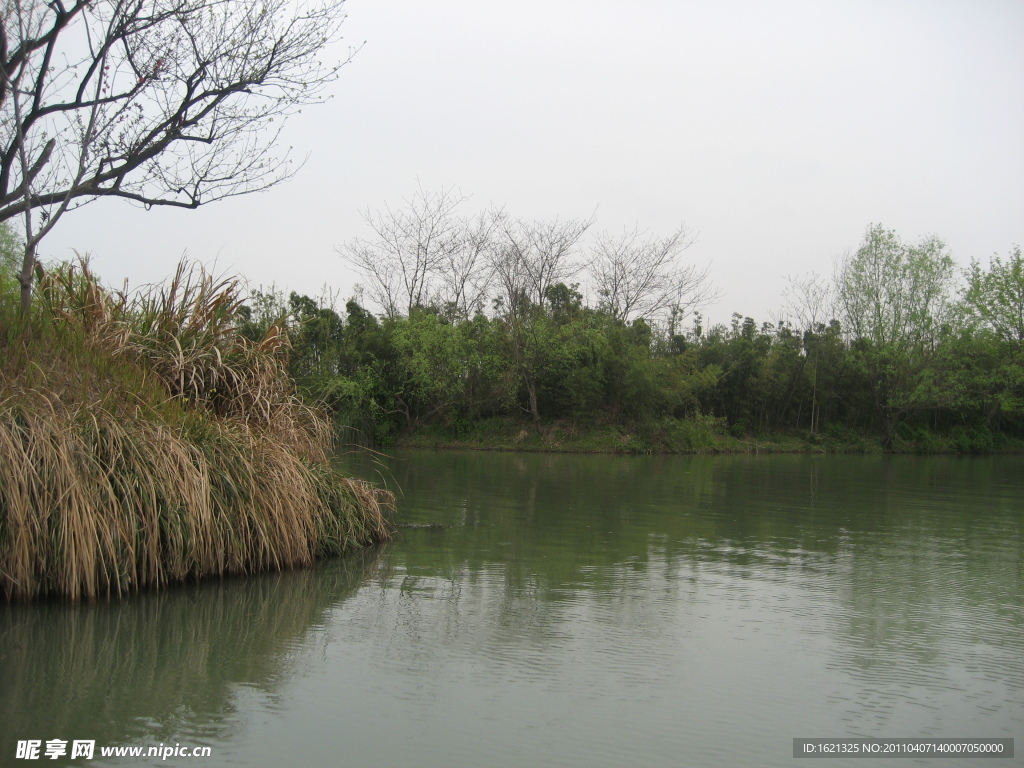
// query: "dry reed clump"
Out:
[145,441]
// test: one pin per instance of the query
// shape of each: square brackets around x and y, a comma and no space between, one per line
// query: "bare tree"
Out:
[810,302]
[467,272]
[426,254]
[509,274]
[161,102]
[640,276]
[535,255]
[410,246]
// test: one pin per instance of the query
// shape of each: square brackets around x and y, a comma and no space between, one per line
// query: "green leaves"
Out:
[893,350]
[890,293]
[996,298]
[894,301]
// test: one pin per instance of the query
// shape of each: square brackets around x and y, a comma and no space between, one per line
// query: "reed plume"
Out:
[143,440]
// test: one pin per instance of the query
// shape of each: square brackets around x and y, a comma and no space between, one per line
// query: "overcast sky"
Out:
[777,131]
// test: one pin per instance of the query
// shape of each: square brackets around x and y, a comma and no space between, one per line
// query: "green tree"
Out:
[996,297]
[740,352]
[982,377]
[318,340]
[430,371]
[991,365]
[895,301]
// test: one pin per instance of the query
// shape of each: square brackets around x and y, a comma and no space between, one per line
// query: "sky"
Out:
[776,132]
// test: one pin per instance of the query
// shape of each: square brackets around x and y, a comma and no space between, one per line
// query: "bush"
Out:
[972,440]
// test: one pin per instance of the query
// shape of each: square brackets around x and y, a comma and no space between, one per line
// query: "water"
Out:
[573,611]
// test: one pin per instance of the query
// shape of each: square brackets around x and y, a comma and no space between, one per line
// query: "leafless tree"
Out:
[465,277]
[509,275]
[161,102]
[809,302]
[532,256]
[641,276]
[409,247]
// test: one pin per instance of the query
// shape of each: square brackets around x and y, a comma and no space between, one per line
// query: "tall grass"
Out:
[143,441]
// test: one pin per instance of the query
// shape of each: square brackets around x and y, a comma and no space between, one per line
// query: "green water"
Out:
[573,611]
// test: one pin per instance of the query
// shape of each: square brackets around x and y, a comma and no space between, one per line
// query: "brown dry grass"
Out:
[143,441]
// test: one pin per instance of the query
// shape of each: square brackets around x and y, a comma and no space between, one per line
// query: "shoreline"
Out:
[681,437]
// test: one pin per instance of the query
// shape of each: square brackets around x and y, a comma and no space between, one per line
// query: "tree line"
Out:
[483,317]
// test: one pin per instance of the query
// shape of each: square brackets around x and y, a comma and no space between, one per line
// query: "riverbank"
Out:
[702,435]
[144,441]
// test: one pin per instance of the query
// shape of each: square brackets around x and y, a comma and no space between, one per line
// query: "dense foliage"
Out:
[898,349]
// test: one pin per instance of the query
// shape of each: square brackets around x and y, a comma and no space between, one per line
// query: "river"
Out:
[557,610]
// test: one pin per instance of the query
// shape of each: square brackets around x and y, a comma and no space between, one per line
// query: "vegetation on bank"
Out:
[143,440]
[169,435]
[901,351]
[701,435]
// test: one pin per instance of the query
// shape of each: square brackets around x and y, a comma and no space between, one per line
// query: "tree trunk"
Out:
[28,267]
[531,389]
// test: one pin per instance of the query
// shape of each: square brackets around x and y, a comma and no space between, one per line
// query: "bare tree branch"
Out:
[466,274]
[640,276]
[161,102]
[810,301]
[412,246]
[535,255]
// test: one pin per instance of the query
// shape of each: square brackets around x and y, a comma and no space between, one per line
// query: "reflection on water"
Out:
[830,595]
[577,611]
[162,666]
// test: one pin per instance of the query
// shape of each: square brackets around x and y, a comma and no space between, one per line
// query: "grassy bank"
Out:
[143,440]
[701,436]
